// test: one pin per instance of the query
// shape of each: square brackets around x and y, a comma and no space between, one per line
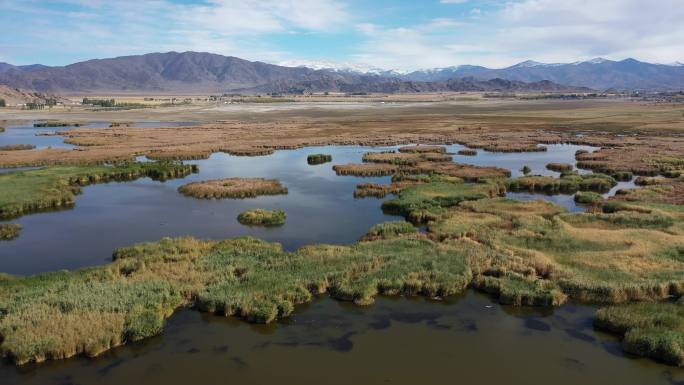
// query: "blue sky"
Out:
[399,34]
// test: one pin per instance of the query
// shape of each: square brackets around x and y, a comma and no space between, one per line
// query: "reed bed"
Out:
[22,192]
[389,230]
[17,147]
[649,181]
[59,315]
[588,198]
[261,217]
[623,176]
[366,169]
[421,149]
[654,330]
[560,167]
[233,188]
[9,231]
[467,152]
[530,253]
[56,124]
[2,129]
[566,184]
[315,159]
[391,157]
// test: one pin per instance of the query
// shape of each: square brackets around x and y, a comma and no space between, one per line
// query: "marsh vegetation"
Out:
[261,217]
[9,231]
[625,253]
[49,188]
[315,159]
[233,188]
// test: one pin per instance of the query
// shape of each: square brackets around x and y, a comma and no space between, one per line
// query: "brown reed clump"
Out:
[235,188]
[559,167]
[366,169]
[9,231]
[467,152]
[17,147]
[423,149]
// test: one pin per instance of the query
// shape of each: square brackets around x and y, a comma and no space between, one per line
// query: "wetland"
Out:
[581,266]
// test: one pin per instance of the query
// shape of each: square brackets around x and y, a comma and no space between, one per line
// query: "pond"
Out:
[465,340]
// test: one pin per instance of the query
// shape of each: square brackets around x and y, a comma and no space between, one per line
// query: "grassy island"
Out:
[467,152]
[315,159]
[261,217]
[559,167]
[22,192]
[235,188]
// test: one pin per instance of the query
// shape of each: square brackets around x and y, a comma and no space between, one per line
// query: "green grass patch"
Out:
[315,159]
[654,330]
[567,184]
[389,230]
[261,217]
[426,202]
[588,198]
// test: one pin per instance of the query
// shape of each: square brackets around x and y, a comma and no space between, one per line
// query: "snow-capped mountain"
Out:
[355,68]
[597,73]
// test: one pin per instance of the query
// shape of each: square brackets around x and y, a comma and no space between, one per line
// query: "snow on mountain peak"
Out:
[357,68]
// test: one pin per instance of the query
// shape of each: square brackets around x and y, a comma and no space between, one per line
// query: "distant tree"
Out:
[2,103]
[100,102]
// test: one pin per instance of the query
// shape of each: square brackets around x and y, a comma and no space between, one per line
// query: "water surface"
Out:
[467,340]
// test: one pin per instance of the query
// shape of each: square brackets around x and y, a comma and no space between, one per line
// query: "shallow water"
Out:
[27,134]
[320,207]
[467,340]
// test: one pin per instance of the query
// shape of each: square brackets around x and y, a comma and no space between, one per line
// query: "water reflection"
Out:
[399,341]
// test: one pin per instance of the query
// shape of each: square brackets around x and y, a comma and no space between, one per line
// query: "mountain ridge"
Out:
[206,72]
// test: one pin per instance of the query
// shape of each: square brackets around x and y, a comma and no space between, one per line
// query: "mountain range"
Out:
[598,73]
[195,72]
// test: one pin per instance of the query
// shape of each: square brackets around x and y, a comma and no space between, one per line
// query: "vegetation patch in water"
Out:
[315,159]
[234,188]
[423,149]
[17,147]
[654,330]
[366,169]
[9,231]
[261,217]
[588,198]
[560,167]
[59,315]
[22,192]
[467,152]
[623,176]
[56,124]
[568,183]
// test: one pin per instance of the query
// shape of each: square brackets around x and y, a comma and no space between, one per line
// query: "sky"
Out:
[389,34]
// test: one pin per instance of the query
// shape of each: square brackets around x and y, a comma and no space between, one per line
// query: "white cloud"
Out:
[453,1]
[542,30]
